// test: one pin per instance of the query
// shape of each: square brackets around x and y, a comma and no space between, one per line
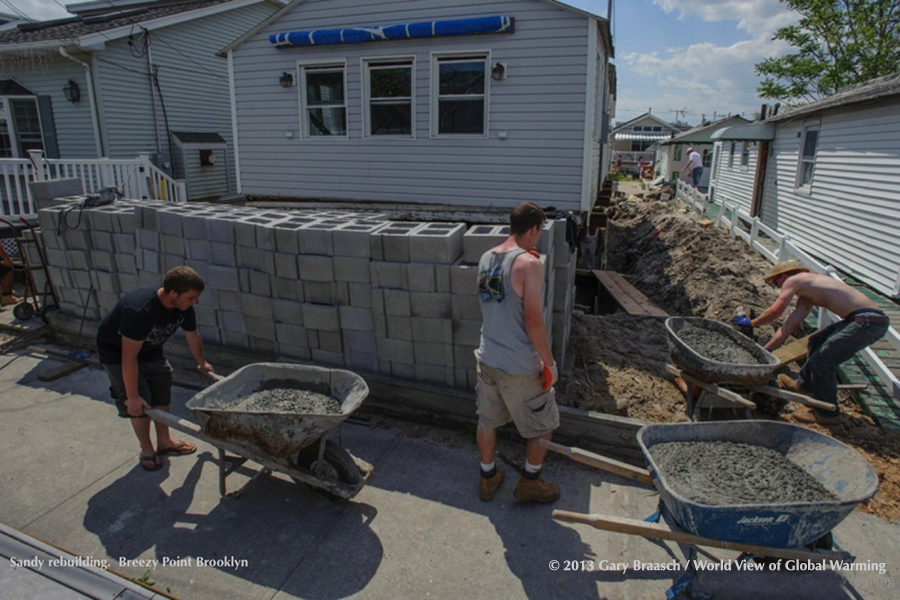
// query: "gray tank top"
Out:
[504,340]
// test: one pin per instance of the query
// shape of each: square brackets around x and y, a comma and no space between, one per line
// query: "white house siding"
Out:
[735,184]
[204,181]
[851,217]
[194,83]
[46,74]
[540,106]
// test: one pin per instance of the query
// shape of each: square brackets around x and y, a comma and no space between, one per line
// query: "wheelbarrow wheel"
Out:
[46,311]
[336,465]
[23,311]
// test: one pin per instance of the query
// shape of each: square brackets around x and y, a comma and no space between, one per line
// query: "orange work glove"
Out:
[534,253]
[550,376]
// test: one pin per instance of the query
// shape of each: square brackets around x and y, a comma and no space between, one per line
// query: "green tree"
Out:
[838,42]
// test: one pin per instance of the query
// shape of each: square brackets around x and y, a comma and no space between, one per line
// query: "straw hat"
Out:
[786,266]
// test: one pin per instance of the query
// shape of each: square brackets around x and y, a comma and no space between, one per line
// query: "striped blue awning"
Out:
[409,31]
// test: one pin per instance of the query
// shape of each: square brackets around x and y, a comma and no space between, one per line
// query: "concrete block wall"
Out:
[347,289]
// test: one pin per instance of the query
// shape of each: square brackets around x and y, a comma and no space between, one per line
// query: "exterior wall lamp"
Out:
[286,80]
[498,73]
[72,92]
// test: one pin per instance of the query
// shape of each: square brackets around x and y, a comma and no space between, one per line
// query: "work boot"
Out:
[804,414]
[535,490]
[790,384]
[9,299]
[490,484]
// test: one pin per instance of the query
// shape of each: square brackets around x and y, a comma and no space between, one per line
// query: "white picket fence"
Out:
[780,247]
[136,178]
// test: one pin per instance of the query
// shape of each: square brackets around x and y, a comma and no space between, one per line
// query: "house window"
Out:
[808,157]
[390,94]
[325,104]
[745,154]
[5,141]
[707,158]
[731,155]
[461,96]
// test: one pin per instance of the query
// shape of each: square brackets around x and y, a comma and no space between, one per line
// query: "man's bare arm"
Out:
[195,343]
[134,403]
[804,307]
[788,290]
[534,315]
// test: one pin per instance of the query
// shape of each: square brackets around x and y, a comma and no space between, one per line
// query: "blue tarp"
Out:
[379,33]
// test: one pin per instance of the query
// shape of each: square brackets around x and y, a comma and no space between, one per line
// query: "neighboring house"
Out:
[671,154]
[466,104]
[119,77]
[830,178]
[633,140]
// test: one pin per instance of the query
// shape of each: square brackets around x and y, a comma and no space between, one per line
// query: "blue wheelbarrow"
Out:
[797,531]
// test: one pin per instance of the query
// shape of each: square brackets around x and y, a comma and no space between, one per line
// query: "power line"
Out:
[17,11]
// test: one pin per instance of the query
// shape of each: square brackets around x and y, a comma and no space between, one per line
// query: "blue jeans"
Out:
[695,175]
[828,349]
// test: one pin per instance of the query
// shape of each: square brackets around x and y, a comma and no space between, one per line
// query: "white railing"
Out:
[136,178]
[692,196]
[753,231]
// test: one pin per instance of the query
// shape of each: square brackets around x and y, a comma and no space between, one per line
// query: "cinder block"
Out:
[394,238]
[328,358]
[481,238]
[287,238]
[287,289]
[316,239]
[150,262]
[287,311]
[324,318]
[360,361]
[467,332]
[331,341]
[312,338]
[231,321]
[235,339]
[464,356]
[351,269]
[197,250]
[353,239]
[435,306]
[399,351]
[147,279]
[74,239]
[360,342]
[291,334]
[439,243]
[360,295]
[223,278]
[95,258]
[465,307]
[127,282]
[260,328]
[245,230]
[397,303]
[463,278]
[399,328]
[253,305]
[222,254]
[100,240]
[316,268]
[318,292]
[546,242]
[391,275]
[194,225]
[286,265]
[378,302]
[228,300]
[262,346]
[260,283]
[266,232]
[170,244]
[429,353]
[402,370]
[420,276]
[125,263]
[105,281]
[380,321]
[439,331]
[434,374]
[359,319]
[220,228]
[124,221]
[169,261]
[169,221]
[98,219]
[258,260]
[147,239]
[299,352]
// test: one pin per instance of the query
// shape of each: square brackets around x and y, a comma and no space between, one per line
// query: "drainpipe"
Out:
[153,96]
[95,119]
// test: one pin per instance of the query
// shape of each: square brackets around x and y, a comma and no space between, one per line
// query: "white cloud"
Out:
[759,18]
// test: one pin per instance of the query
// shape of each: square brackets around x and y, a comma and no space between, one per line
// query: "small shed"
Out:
[671,154]
[201,159]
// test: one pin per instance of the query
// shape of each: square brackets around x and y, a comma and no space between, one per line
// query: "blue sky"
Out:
[691,56]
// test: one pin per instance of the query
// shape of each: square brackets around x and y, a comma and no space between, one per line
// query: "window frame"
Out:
[745,155]
[802,160]
[302,68]
[469,56]
[365,69]
[6,114]
[731,154]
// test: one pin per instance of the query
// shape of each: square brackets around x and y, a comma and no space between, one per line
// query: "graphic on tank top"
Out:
[490,285]
[159,335]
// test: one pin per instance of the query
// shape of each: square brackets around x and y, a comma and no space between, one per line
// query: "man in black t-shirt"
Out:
[130,346]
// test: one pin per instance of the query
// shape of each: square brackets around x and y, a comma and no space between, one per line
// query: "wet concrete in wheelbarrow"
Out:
[716,346]
[728,473]
[286,400]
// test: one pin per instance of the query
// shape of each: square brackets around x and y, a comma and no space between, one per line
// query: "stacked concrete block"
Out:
[481,238]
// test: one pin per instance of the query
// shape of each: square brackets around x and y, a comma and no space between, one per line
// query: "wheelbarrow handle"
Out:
[601,462]
[211,374]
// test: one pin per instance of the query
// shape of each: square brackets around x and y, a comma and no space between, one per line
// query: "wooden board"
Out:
[61,371]
[627,296]
[792,351]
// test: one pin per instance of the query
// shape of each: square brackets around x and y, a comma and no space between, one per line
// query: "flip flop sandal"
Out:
[153,458]
[180,450]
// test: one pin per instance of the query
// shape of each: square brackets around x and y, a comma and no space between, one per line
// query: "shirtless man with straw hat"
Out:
[862,324]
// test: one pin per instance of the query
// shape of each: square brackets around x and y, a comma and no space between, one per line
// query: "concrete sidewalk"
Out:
[70,477]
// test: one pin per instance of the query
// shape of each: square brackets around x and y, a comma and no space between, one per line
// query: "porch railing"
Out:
[136,178]
[776,246]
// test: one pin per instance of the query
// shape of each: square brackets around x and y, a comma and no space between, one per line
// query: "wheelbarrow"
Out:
[708,381]
[791,531]
[292,443]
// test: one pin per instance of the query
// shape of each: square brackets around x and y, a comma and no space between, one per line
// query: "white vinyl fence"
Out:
[776,246]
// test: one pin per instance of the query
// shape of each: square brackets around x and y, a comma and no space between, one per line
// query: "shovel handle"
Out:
[601,462]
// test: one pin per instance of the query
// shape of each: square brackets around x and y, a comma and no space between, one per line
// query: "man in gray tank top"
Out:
[516,370]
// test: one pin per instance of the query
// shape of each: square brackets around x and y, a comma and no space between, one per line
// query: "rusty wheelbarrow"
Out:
[791,531]
[709,379]
[292,443]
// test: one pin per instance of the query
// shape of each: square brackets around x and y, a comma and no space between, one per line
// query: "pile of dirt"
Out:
[616,363]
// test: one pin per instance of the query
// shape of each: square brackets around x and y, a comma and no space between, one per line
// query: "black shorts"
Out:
[4,269]
[154,385]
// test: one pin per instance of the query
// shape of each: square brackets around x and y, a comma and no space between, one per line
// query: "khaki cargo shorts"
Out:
[502,398]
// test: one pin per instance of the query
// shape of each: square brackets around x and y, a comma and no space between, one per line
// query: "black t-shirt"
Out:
[140,316]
